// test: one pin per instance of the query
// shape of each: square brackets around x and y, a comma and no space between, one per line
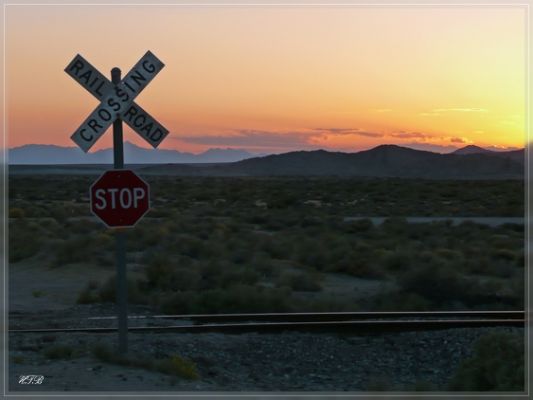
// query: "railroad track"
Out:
[354,322]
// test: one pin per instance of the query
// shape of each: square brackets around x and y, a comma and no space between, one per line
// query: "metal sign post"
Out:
[119,197]
[122,279]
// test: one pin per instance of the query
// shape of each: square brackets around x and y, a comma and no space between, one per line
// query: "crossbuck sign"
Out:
[119,197]
[116,101]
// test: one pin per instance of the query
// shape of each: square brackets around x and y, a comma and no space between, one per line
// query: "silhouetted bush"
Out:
[59,352]
[302,282]
[400,260]
[437,282]
[15,212]
[214,239]
[237,298]
[496,365]
[173,365]
[177,366]
[83,249]
[107,293]
[400,301]
[24,241]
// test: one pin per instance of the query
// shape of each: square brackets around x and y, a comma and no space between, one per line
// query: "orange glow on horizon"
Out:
[274,79]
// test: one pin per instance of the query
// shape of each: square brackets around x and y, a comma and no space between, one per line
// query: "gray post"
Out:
[122,286]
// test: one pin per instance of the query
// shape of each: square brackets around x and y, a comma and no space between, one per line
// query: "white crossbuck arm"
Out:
[116,101]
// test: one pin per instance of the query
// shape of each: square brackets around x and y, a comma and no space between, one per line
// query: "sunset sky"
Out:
[275,79]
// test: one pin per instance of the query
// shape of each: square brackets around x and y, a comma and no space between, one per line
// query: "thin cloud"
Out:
[502,148]
[348,131]
[254,138]
[411,135]
[441,110]
[305,139]
[458,140]
[424,141]
[315,138]
[338,131]
[438,111]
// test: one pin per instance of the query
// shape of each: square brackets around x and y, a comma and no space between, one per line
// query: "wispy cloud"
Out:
[442,110]
[382,110]
[501,148]
[411,135]
[428,139]
[315,138]
[348,131]
[439,111]
[253,138]
[458,140]
[304,139]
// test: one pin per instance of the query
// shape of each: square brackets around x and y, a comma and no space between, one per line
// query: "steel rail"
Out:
[366,326]
[326,316]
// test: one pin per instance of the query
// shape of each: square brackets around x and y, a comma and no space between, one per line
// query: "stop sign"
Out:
[120,198]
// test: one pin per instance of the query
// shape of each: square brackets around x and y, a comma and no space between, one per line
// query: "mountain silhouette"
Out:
[381,161]
[33,154]
[472,149]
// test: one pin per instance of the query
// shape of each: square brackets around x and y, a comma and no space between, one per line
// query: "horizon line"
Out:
[410,146]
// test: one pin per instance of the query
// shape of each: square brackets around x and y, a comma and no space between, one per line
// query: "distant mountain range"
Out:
[33,154]
[381,161]
[470,162]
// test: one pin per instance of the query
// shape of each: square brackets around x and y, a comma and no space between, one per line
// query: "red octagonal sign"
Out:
[120,198]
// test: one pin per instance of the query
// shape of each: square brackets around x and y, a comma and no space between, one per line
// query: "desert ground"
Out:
[230,245]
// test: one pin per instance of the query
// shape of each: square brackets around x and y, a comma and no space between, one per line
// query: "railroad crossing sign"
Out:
[116,101]
[120,198]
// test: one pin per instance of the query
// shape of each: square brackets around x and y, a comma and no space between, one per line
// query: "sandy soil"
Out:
[34,287]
